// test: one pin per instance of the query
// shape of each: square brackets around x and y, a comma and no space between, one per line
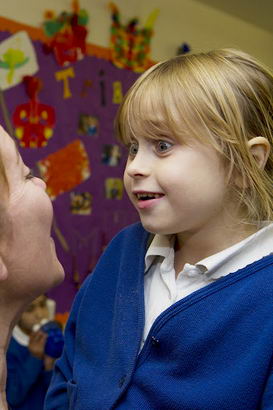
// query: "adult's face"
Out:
[29,250]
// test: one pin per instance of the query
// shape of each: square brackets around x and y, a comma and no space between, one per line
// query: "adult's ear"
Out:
[260,149]
[3,270]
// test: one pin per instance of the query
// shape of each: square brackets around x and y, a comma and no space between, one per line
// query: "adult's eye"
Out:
[29,175]
[163,146]
[133,148]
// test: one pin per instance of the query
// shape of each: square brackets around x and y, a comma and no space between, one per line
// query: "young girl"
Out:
[179,311]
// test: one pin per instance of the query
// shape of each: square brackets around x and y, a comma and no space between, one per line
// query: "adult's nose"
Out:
[39,182]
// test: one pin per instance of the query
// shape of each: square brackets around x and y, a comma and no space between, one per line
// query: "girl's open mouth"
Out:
[144,196]
[147,199]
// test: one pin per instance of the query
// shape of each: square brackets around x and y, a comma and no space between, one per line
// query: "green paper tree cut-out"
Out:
[11,60]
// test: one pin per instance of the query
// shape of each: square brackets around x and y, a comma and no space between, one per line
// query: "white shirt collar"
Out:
[20,336]
[253,248]
[161,245]
[243,253]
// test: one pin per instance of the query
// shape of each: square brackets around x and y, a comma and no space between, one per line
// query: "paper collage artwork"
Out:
[33,120]
[67,33]
[81,203]
[130,44]
[67,114]
[17,59]
[73,162]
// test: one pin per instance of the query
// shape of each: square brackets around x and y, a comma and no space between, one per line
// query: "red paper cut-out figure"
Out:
[68,34]
[69,45]
[33,120]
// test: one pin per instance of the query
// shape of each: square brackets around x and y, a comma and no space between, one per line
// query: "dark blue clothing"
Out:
[212,350]
[27,381]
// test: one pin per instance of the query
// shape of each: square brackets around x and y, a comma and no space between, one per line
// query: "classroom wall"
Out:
[81,237]
[179,21]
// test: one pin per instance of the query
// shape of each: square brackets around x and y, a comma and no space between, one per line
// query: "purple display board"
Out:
[87,114]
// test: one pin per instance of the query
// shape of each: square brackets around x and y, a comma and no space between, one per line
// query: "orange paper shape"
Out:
[65,169]
[62,318]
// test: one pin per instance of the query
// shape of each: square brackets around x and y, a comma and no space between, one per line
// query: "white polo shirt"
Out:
[162,288]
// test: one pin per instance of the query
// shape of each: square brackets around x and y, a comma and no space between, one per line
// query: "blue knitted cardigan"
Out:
[211,350]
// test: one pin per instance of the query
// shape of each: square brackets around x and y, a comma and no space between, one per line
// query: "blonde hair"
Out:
[222,97]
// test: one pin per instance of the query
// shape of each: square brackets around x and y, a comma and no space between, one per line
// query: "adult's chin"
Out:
[59,276]
[58,268]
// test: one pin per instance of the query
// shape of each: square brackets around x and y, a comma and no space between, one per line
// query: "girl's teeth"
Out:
[148,196]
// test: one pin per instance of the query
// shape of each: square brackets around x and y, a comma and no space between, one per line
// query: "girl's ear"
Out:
[260,149]
[3,270]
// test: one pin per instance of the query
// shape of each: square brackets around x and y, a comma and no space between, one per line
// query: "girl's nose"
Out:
[138,167]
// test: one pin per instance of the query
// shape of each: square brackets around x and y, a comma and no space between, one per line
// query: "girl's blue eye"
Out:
[163,146]
[133,148]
